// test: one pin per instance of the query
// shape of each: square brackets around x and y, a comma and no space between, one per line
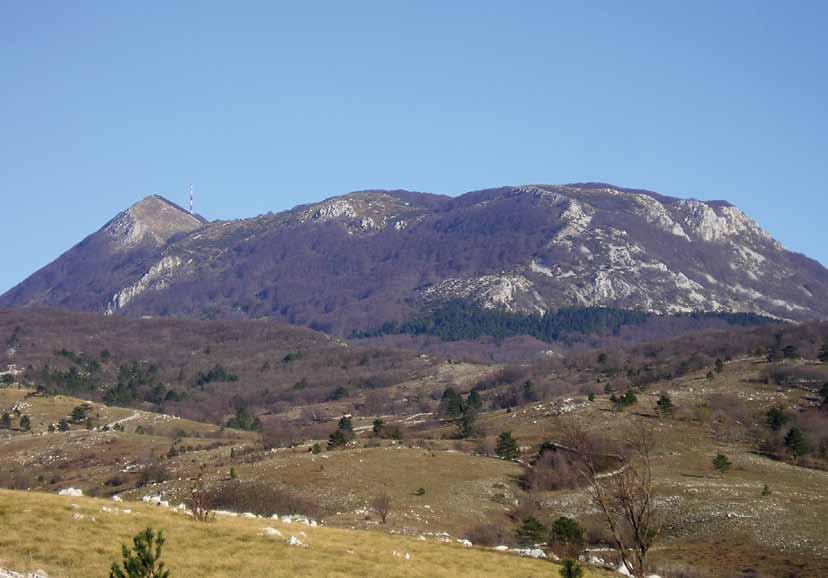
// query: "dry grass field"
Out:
[80,537]
[719,525]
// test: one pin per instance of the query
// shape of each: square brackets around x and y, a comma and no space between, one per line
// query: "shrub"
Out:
[381,506]
[25,423]
[144,559]
[153,472]
[260,498]
[487,535]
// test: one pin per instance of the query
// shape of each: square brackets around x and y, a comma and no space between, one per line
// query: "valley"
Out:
[760,517]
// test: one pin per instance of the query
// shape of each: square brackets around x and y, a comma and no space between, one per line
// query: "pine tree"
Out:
[719,365]
[776,418]
[78,414]
[571,569]
[25,423]
[796,441]
[337,440]
[721,463]
[5,421]
[474,401]
[144,559]
[531,532]
[379,424]
[567,537]
[823,352]
[452,404]
[507,447]
[664,405]
[466,424]
[346,426]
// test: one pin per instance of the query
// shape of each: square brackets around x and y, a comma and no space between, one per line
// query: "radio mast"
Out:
[191,198]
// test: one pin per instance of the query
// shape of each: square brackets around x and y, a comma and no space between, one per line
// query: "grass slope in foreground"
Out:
[77,538]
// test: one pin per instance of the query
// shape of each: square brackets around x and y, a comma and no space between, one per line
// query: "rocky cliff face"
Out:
[361,259]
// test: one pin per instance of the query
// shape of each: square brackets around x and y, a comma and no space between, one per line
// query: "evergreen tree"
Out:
[531,532]
[796,441]
[144,559]
[721,463]
[474,402]
[346,426]
[823,352]
[823,393]
[379,424]
[507,447]
[25,423]
[452,404]
[571,569]
[719,365]
[466,424]
[629,398]
[337,440]
[244,420]
[5,421]
[790,352]
[664,405]
[567,537]
[79,414]
[63,425]
[776,418]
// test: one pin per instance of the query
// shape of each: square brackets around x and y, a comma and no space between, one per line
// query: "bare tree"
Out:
[625,498]
[200,499]
[381,505]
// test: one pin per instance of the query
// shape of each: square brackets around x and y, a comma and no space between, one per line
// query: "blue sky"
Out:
[264,105]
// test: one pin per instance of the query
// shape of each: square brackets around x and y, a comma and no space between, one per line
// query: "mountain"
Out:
[361,259]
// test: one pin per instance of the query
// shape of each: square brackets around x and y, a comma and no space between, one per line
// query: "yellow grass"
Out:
[43,531]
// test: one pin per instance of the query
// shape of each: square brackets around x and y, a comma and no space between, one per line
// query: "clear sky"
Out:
[265,105]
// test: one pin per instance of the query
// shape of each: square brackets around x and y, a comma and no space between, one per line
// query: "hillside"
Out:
[53,533]
[763,517]
[204,370]
[360,260]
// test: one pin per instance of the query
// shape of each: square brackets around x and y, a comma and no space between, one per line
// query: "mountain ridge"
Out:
[356,260]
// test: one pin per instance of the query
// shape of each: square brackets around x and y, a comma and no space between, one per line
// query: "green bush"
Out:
[144,559]
[571,569]
[721,463]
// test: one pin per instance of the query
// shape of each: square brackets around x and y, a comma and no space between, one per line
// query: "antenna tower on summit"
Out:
[191,198]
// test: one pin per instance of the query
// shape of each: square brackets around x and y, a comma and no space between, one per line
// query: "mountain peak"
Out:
[375,256]
[153,219]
